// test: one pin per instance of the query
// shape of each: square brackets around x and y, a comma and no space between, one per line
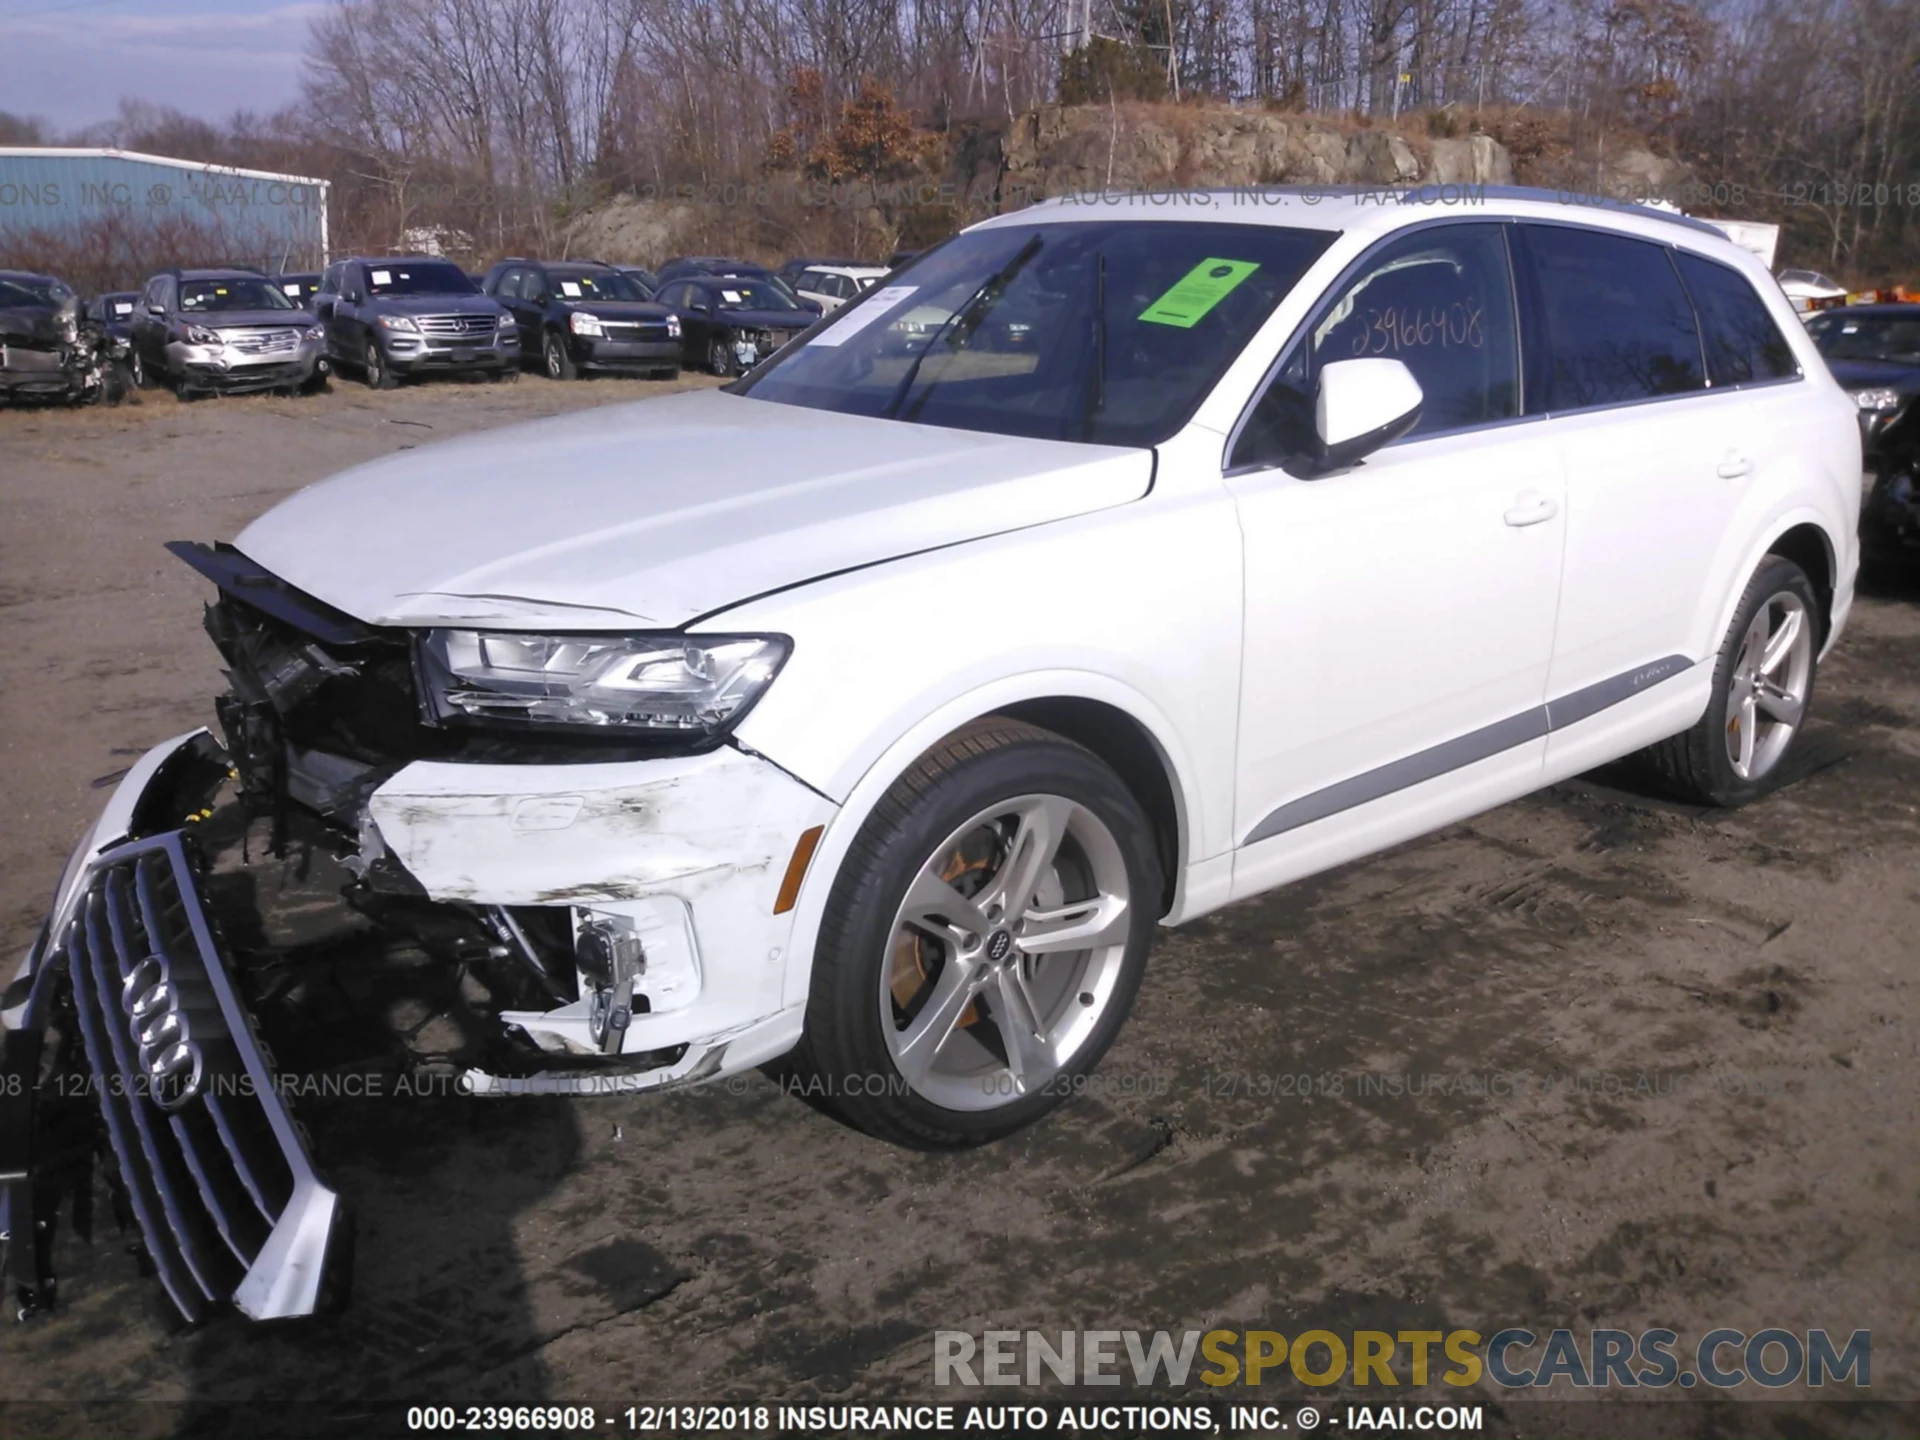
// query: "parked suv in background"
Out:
[831,286]
[580,315]
[731,325]
[1874,352]
[1117,568]
[114,313]
[390,319]
[228,330]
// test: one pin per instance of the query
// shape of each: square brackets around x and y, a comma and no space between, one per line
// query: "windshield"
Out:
[1106,331]
[27,292]
[198,297]
[1869,337]
[596,285]
[414,278]
[750,295]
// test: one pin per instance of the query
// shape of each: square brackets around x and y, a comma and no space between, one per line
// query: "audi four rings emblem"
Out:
[170,1063]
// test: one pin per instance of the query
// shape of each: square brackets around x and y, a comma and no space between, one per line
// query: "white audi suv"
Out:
[1115,560]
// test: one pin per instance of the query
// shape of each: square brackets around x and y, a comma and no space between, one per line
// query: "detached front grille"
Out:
[216,1172]
[457,326]
[265,342]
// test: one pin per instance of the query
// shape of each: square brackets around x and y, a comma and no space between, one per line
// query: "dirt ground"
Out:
[734,1244]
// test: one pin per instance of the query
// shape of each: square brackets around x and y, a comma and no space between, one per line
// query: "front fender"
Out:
[1137,608]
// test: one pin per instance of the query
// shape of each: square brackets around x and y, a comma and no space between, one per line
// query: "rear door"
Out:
[1655,464]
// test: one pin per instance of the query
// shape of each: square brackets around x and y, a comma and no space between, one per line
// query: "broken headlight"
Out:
[675,683]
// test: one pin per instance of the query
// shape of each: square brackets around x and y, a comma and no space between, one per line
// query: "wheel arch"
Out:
[1809,546]
[1129,749]
[1123,729]
[1803,535]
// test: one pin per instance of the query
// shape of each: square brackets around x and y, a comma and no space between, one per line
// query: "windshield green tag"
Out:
[1197,292]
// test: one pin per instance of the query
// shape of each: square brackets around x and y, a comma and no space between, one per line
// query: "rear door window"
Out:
[1613,322]
[1743,344]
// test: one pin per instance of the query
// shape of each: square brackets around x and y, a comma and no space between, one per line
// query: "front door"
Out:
[1399,614]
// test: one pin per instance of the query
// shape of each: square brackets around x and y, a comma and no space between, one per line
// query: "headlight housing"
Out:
[689,685]
[673,327]
[585,325]
[399,322]
[201,335]
[1877,400]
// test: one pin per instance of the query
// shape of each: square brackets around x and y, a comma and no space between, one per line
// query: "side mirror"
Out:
[157,310]
[1362,405]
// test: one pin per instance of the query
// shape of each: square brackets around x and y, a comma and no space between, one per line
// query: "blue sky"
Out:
[70,61]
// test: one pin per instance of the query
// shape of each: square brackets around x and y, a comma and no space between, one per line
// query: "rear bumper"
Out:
[216,1173]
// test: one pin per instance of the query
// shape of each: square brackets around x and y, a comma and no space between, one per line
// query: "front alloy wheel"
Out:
[983,940]
[560,365]
[379,377]
[1006,952]
[719,357]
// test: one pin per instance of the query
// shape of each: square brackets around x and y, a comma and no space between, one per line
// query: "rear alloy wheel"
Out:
[1763,683]
[379,376]
[983,940]
[560,365]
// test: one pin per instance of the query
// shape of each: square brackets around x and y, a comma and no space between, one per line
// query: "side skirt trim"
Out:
[1467,749]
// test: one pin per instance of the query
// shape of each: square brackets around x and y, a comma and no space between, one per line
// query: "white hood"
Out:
[661,511]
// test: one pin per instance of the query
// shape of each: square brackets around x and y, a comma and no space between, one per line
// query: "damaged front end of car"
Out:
[609,913]
[57,352]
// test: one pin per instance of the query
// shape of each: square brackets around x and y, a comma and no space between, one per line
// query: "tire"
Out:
[137,369]
[553,354]
[1704,765]
[720,358]
[905,1024]
[374,366]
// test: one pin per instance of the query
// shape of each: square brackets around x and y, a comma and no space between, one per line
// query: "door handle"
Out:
[1733,465]
[1531,509]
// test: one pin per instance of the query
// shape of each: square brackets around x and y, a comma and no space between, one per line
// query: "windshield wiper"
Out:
[1097,381]
[969,315]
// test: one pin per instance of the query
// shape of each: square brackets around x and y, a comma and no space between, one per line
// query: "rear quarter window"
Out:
[1743,344]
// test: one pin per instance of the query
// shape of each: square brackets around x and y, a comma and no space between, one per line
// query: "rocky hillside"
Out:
[1056,150]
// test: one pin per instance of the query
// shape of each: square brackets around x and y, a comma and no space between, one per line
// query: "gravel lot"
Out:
[735,1244]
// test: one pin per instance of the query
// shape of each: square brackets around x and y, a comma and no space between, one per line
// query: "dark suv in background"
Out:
[582,315]
[731,325]
[226,330]
[413,315]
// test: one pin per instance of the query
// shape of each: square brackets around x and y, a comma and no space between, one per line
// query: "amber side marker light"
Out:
[797,869]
